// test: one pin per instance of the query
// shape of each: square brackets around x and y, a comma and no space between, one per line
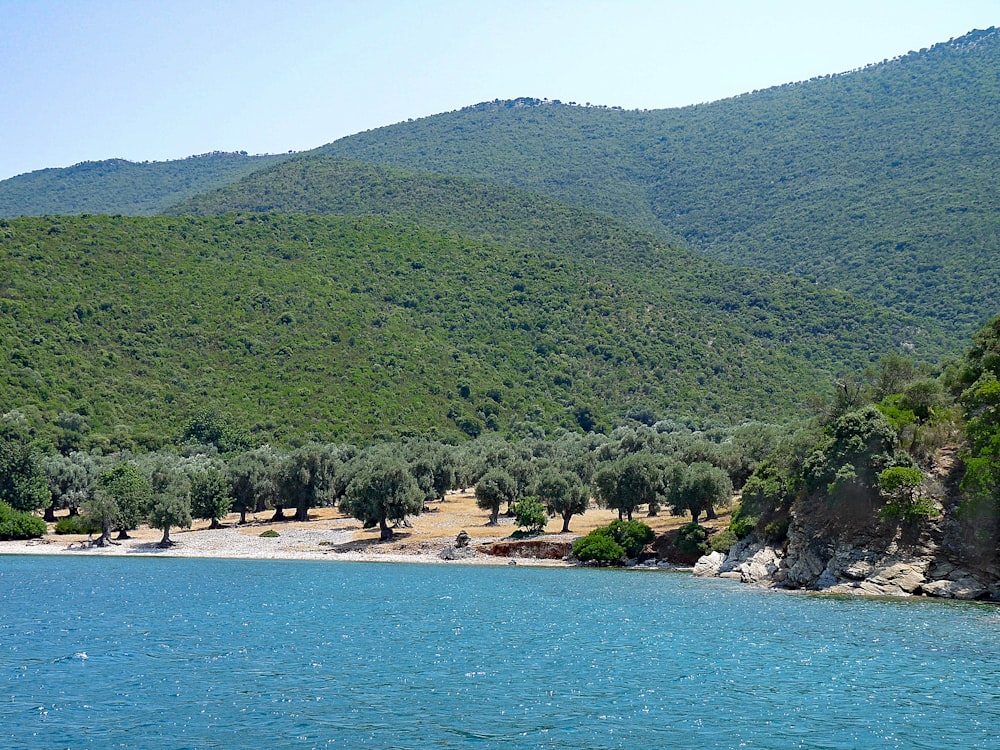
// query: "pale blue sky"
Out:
[163,80]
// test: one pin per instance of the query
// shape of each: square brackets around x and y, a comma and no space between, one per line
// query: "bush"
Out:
[598,548]
[78,525]
[742,524]
[692,539]
[530,514]
[722,541]
[614,542]
[270,534]
[17,525]
[776,531]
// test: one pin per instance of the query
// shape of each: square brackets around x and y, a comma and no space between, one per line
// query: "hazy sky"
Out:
[162,80]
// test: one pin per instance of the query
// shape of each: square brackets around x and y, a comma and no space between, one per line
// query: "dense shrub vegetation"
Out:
[329,328]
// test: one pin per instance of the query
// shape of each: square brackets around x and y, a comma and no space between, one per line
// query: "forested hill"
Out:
[303,326]
[330,186]
[117,186]
[883,181]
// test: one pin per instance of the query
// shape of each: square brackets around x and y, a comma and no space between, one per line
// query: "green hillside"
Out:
[116,186]
[330,186]
[882,181]
[301,326]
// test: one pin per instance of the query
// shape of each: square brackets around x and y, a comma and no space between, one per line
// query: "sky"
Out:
[148,80]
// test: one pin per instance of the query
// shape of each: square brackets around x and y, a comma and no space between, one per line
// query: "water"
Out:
[182,653]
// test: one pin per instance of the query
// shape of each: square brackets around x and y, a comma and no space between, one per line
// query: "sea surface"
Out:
[187,653]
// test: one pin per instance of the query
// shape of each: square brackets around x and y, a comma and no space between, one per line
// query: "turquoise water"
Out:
[182,653]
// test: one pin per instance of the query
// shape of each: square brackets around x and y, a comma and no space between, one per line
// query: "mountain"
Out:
[330,186]
[300,326]
[882,181]
[116,186]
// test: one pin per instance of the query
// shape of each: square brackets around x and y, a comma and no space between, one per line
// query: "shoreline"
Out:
[329,534]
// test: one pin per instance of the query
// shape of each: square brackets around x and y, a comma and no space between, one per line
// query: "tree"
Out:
[208,427]
[253,480]
[629,483]
[210,498]
[766,492]
[563,494]
[383,490]
[120,500]
[495,487]
[845,466]
[900,486]
[305,480]
[171,506]
[71,479]
[698,488]
[23,484]
[434,467]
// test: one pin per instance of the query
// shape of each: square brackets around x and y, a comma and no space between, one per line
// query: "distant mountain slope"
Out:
[330,186]
[116,186]
[883,181]
[303,326]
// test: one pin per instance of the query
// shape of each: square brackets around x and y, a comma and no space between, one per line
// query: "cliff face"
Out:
[939,557]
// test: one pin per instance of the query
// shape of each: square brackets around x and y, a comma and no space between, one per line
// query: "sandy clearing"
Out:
[330,535]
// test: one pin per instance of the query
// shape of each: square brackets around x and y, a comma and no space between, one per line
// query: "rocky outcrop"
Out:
[883,562]
[710,565]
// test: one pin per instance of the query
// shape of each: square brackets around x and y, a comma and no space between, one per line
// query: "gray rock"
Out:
[457,553]
[709,565]
[965,588]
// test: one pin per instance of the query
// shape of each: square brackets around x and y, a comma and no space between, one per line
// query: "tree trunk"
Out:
[50,513]
[302,513]
[74,511]
[105,538]
[385,531]
[215,524]
[123,534]
[166,541]
[565,528]
[710,513]
[279,514]
[495,516]
[243,516]
[694,516]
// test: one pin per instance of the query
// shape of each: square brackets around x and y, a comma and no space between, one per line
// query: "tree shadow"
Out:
[363,545]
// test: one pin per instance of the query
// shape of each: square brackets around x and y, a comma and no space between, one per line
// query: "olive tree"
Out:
[698,488]
[630,482]
[119,501]
[494,488]
[563,494]
[381,491]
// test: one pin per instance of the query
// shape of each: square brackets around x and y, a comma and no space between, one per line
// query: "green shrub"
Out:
[270,534]
[598,548]
[77,525]
[614,542]
[722,541]
[742,524]
[17,525]
[776,531]
[530,514]
[692,539]
[631,535]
